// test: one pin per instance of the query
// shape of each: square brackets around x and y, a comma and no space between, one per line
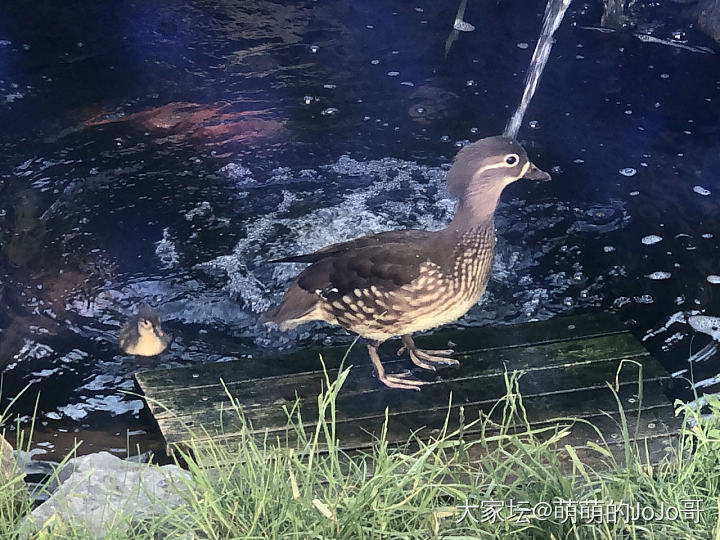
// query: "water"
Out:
[164,152]
[554,13]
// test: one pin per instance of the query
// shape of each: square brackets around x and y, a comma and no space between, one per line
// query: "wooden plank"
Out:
[553,330]
[566,364]
[356,427]
[263,392]
[656,424]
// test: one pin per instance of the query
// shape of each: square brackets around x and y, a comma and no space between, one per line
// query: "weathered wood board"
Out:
[567,364]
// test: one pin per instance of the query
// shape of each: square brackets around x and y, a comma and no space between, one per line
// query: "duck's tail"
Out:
[296,307]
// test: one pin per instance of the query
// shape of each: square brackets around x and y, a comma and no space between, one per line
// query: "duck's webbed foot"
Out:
[426,359]
[393,380]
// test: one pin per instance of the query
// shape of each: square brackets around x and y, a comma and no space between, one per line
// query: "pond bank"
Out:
[269,489]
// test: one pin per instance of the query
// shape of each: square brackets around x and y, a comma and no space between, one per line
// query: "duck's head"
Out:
[481,170]
[148,323]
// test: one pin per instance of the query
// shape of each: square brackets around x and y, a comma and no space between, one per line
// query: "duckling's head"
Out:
[481,170]
[148,322]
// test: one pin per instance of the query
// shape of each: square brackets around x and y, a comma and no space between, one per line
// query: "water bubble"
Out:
[309,99]
[375,62]
[556,169]
[534,124]
[664,76]
[701,191]
[584,294]
[420,110]
[445,138]
[628,171]
[462,26]
[567,301]
[659,275]
[621,301]
[644,299]
[470,82]
[473,130]
[651,239]
[393,73]
[330,86]
[330,111]
[522,45]
[314,49]
[707,235]
[608,249]
[634,193]
[678,35]
[578,161]
[578,276]
[407,83]
[712,278]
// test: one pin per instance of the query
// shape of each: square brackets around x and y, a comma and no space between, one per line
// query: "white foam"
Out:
[712,278]
[651,239]
[659,275]
[708,351]
[463,26]
[396,194]
[239,173]
[678,316]
[701,191]
[706,324]
[166,251]
[707,382]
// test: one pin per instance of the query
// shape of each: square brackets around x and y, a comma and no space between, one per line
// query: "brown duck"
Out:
[399,282]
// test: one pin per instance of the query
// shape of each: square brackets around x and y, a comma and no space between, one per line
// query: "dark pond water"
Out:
[163,151]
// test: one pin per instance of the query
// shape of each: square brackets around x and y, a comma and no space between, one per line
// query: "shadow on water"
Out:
[164,151]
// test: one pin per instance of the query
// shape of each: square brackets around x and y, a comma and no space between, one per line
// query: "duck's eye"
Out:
[512,159]
[145,323]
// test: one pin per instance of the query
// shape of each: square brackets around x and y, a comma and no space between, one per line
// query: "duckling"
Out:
[399,282]
[142,334]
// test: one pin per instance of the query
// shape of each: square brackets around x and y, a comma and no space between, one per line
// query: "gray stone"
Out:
[11,479]
[101,492]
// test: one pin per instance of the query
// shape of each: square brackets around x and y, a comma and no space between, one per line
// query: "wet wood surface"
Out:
[569,366]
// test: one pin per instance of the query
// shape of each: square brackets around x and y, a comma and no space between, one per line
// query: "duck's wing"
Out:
[371,271]
[388,237]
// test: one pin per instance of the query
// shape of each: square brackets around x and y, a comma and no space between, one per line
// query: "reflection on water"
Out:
[164,152]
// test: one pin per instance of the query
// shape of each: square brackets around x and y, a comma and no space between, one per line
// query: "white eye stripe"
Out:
[525,169]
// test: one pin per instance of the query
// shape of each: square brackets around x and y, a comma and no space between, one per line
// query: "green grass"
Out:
[270,488]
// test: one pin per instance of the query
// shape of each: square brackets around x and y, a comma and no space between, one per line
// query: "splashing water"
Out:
[554,13]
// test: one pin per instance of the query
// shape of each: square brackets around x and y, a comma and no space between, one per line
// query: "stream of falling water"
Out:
[554,13]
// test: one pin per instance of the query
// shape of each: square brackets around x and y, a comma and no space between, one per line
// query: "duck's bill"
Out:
[535,173]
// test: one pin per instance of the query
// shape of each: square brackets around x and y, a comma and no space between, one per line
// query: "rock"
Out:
[708,17]
[101,492]
[12,481]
